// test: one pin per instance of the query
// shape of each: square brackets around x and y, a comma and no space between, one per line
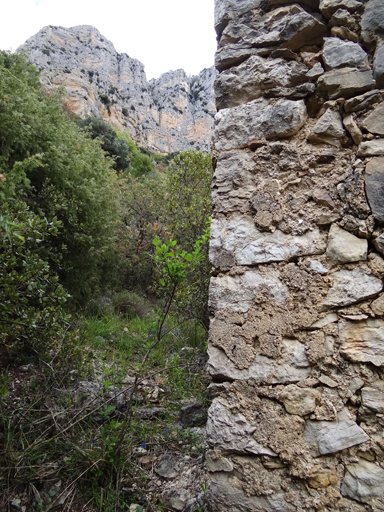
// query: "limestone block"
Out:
[238,292]
[343,18]
[233,55]
[363,341]
[216,462]
[325,437]
[237,127]
[374,123]
[371,148]
[353,128]
[378,68]
[222,496]
[345,82]
[372,22]
[363,482]
[291,27]
[364,101]
[351,286]
[329,7]
[249,80]
[341,54]
[249,246]
[373,398]
[293,366]
[300,401]
[329,128]
[318,267]
[377,306]
[226,10]
[343,247]
[232,432]
[374,186]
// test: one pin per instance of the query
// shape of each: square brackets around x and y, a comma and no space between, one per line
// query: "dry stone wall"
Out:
[296,346]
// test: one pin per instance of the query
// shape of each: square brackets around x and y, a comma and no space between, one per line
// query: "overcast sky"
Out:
[163,34]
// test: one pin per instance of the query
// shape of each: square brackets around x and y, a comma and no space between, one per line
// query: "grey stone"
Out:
[343,247]
[318,267]
[292,93]
[292,367]
[250,79]
[176,499]
[148,413]
[289,26]
[167,467]
[373,398]
[249,246]
[298,400]
[325,437]
[363,482]
[193,414]
[234,55]
[148,110]
[363,341]
[329,7]
[379,244]
[371,148]
[329,128]
[374,123]
[324,379]
[378,67]
[312,4]
[216,462]
[226,10]
[355,384]
[351,286]
[238,292]
[315,72]
[353,128]
[374,186]
[237,127]
[232,432]
[364,101]
[343,18]
[328,319]
[372,22]
[345,82]
[377,306]
[222,496]
[341,54]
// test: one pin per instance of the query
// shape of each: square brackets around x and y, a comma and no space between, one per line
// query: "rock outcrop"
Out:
[172,113]
[296,344]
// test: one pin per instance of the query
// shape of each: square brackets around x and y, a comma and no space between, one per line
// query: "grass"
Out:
[49,435]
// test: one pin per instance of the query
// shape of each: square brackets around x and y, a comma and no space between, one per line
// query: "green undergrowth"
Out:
[56,448]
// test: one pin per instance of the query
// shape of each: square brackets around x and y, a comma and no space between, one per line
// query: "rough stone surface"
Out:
[377,306]
[329,7]
[378,69]
[364,101]
[216,462]
[374,123]
[363,482]
[300,401]
[329,129]
[167,467]
[374,186]
[344,247]
[341,54]
[351,286]
[371,148]
[230,9]
[172,113]
[373,397]
[248,246]
[290,26]
[363,341]
[237,127]
[372,22]
[353,128]
[345,82]
[326,437]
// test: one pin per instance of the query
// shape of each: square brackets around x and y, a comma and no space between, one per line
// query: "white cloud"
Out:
[163,35]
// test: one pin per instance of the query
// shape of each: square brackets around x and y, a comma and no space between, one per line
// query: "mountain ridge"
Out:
[171,113]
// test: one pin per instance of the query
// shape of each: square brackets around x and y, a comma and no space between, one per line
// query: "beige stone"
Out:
[377,306]
[363,341]
[300,401]
[343,247]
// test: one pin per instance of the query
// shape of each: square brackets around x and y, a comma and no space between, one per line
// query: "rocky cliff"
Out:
[297,332]
[172,113]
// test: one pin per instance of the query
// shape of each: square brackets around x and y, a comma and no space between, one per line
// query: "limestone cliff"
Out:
[172,113]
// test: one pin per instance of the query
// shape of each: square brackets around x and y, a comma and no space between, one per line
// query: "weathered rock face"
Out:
[172,113]
[297,243]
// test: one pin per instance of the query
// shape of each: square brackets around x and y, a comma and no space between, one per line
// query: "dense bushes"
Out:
[59,172]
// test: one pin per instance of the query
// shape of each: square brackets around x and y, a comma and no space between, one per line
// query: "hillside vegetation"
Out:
[104,279]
